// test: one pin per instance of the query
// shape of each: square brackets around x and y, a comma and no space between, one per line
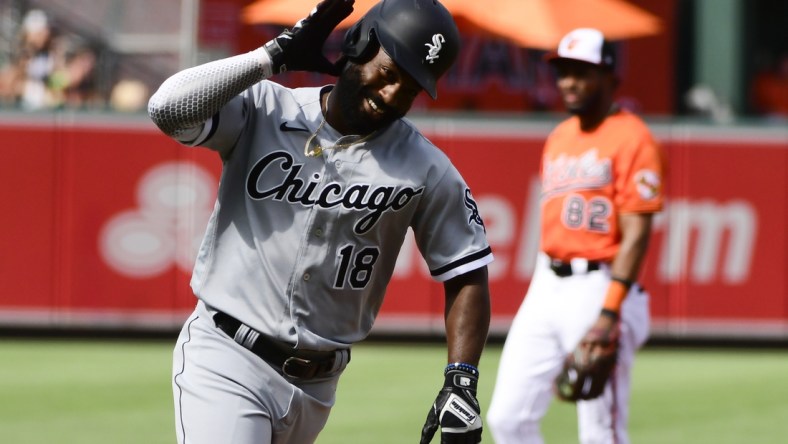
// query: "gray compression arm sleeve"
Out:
[185,101]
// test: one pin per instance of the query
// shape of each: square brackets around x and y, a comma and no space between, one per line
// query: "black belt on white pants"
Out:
[565,269]
[295,364]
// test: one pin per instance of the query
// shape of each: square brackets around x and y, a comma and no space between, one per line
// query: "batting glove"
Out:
[456,409]
[301,48]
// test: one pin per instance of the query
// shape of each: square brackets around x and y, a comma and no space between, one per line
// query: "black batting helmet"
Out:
[419,35]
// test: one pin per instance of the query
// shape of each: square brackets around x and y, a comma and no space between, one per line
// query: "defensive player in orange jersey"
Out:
[601,183]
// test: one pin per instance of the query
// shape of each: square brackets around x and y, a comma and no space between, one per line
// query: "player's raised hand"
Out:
[301,48]
[456,409]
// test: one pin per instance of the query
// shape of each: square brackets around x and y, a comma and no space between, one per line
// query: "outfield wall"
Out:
[103,216]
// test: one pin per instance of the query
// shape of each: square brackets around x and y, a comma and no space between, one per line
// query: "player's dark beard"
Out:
[351,92]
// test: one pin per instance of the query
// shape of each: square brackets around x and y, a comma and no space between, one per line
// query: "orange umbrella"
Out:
[528,23]
[288,12]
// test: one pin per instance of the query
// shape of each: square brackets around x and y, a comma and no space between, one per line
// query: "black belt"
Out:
[294,364]
[564,269]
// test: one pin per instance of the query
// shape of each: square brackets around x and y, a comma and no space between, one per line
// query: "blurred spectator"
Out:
[35,61]
[48,70]
[24,81]
[129,96]
[770,89]
[72,83]
[704,101]
[9,80]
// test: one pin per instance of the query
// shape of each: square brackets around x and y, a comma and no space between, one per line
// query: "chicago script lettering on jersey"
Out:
[295,190]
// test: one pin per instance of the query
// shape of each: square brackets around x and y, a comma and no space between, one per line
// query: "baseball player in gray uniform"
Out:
[318,189]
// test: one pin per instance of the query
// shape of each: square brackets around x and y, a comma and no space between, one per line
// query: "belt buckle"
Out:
[291,364]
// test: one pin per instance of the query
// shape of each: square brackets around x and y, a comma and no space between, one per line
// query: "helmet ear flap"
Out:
[350,42]
[360,43]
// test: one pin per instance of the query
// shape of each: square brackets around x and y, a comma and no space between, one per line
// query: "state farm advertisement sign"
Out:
[102,223]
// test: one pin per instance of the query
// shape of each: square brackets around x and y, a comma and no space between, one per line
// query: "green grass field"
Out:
[87,392]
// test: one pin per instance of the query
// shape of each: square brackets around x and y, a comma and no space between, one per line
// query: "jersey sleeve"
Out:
[449,230]
[199,105]
[640,174]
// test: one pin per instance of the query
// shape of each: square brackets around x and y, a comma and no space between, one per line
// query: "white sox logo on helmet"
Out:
[295,190]
[435,47]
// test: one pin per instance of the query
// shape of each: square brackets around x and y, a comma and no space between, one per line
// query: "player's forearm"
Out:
[190,97]
[467,316]
[635,234]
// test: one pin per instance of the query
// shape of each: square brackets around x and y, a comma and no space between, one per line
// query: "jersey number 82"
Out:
[592,215]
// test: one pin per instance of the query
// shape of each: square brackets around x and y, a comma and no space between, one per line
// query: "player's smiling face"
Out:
[374,94]
[583,86]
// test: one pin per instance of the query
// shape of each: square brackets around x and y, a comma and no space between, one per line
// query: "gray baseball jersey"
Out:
[302,248]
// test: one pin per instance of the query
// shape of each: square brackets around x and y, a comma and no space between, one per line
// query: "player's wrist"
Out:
[266,62]
[625,282]
[460,375]
[610,314]
[614,298]
[468,368]
[275,55]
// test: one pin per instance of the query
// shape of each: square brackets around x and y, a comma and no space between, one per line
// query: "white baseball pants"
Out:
[224,393]
[555,315]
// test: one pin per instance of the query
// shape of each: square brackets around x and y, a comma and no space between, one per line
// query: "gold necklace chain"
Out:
[318,150]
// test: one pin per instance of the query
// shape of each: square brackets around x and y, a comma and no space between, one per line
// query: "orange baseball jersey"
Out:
[589,178]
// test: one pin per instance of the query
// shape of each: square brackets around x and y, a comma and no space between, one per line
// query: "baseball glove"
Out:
[587,369]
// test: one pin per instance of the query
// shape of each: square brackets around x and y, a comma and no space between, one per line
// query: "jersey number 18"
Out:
[355,268]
